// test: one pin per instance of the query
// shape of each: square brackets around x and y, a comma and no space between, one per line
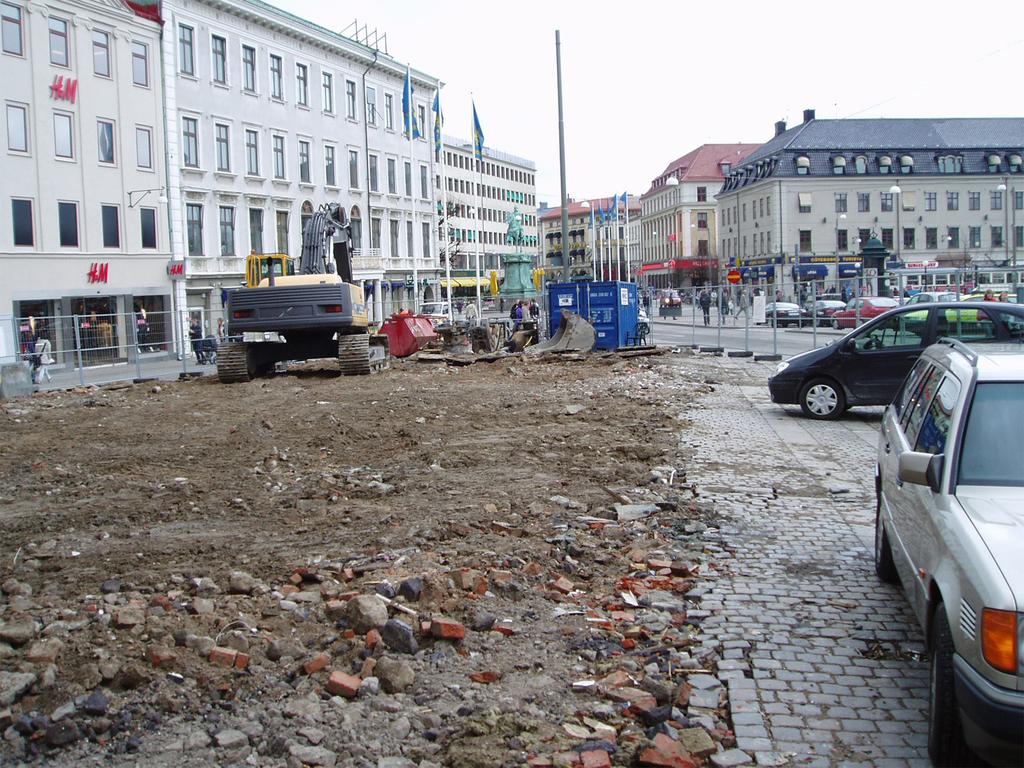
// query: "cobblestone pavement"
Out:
[822,662]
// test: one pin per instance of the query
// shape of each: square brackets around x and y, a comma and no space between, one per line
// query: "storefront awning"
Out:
[465,282]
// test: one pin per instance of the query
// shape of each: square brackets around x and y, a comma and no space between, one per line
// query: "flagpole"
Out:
[412,193]
[444,216]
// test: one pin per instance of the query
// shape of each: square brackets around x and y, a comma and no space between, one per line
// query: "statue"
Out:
[514,236]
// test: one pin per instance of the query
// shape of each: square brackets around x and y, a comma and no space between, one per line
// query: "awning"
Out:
[850,269]
[465,282]
[810,271]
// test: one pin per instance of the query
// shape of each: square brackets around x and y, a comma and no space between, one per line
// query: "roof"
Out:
[703,163]
[596,204]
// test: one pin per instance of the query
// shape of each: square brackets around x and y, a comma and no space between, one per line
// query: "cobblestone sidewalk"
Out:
[822,662]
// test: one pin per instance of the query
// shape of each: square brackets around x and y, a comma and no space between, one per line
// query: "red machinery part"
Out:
[408,333]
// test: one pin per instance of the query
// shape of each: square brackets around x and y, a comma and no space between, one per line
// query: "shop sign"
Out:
[64,88]
[176,270]
[98,272]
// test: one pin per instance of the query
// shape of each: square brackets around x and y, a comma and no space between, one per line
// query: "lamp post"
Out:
[895,191]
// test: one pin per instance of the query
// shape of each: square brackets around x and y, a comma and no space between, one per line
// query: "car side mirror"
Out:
[922,469]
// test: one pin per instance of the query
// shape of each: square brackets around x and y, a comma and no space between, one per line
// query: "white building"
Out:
[506,184]
[83,229]
[270,116]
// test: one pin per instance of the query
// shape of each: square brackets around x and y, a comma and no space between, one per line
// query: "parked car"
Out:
[926,296]
[786,313]
[862,308]
[824,309]
[948,526]
[867,365]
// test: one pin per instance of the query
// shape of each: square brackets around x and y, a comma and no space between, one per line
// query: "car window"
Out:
[910,386]
[994,436]
[965,324]
[914,414]
[903,330]
[935,426]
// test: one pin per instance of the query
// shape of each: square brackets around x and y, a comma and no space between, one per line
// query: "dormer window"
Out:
[1014,162]
[838,165]
[884,164]
[906,164]
[803,165]
[993,163]
[860,165]
[951,164]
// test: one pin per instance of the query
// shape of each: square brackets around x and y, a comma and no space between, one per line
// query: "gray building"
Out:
[938,192]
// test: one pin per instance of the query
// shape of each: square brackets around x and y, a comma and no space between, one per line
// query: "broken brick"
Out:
[341,684]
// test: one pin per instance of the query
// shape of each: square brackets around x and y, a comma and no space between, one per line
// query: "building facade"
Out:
[269,117]
[505,185]
[599,247]
[84,235]
[939,193]
[680,217]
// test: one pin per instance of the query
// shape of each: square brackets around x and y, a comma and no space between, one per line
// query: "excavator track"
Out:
[233,362]
[354,354]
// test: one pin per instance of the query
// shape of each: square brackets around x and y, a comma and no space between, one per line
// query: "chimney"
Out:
[808,115]
[780,127]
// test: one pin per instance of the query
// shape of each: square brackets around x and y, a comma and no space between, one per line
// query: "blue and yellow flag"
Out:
[438,120]
[408,110]
[478,136]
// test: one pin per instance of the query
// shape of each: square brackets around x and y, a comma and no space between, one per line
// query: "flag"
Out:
[408,110]
[438,120]
[478,136]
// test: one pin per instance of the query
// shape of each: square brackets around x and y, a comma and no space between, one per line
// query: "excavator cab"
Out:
[258,266]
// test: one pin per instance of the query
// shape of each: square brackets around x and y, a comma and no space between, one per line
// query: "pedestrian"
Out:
[705,306]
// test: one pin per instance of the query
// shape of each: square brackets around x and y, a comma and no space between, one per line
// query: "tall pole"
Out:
[561,153]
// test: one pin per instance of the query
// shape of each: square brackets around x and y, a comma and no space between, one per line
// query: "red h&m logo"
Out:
[64,88]
[98,272]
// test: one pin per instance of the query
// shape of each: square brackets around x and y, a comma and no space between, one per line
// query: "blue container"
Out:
[611,307]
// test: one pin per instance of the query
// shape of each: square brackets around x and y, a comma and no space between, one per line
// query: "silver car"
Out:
[950,528]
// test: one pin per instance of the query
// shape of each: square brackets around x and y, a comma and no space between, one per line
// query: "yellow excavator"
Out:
[317,312]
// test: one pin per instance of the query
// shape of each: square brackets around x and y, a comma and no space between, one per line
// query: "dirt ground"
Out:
[125,511]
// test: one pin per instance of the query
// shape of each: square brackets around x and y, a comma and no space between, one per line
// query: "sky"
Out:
[646,82]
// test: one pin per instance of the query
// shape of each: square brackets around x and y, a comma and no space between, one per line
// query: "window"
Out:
[997,237]
[950,164]
[111,226]
[304,171]
[67,222]
[248,69]
[931,238]
[256,230]
[101,53]
[105,141]
[59,42]
[953,237]
[838,166]
[860,165]
[373,174]
[974,201]
[389,111]
[702,220]
[805,240]
[281,218]
[219,47]
[353,169]
[11,23]
[702,194]
[190,142]
[375,232]
[330,177]
[424,184]
[223,147]
[974,233]
[996,200]
[952,201]
[140,64]
[394,225]
[194,228]
[863,202]
[328,84]
[371,106]
[278,142]
[909,234]
[803,204]
[392,181]
[840,202]
[227,231]
[21,219]
[252,153]
[350,99]
[302,84]
[17,128]
[931,201]
[147,223]
[63,136]
[886,201]
[842,240]
[186,50]
[408,179]
[276,77]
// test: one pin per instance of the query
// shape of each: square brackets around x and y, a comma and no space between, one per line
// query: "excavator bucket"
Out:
[574,335]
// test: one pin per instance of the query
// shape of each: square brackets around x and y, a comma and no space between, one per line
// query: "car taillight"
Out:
[241,314]
[999,639]
[332,309]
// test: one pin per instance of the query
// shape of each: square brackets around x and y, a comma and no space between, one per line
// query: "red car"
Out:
[863,308]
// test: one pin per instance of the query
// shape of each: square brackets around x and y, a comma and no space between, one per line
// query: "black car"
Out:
[867,365]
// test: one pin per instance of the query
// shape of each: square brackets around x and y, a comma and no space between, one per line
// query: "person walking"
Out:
[705,306]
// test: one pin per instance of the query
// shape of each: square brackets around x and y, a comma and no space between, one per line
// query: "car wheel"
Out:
[885,568]
[822,399]
[835,324]
[946,744]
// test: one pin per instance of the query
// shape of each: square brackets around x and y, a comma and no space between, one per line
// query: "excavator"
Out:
[316,313]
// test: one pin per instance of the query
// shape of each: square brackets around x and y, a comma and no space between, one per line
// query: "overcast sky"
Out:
[645,82]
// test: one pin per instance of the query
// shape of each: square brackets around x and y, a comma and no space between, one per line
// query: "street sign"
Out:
[734,276]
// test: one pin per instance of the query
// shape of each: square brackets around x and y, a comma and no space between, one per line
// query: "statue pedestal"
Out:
[518,276]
